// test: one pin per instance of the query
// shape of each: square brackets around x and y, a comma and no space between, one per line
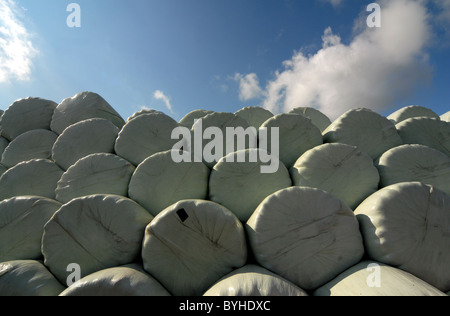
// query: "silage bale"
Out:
[253,280]
[3,169]
[96,232]
[297,134]
[221,122]
[82,139]
[142,112]
[426,131]
[407,225]
[242,186]
[370,278]
[317,118]
[365,129]
[3,144]
[27,278]
[37,177]
[305,235]
[159,182]
[254,115]
[145,135]
[128,280]
[25,115]
[83,106]
[339,169]
[34,144]
[22,221]
[446,117]
[419,163]
[189,119]
[410,112]
[192,244]
[95,174]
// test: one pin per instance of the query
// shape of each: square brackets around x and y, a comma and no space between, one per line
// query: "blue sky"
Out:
[180,55]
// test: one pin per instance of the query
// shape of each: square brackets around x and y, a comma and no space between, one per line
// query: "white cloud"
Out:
[16,48]
[159,95]
[379,67]
[248,86]
[334,3]
[444,15]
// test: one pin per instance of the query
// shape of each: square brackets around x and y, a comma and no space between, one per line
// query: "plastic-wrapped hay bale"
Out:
[3,144]
[305,235]
[218,123]
[253,280]
[142,112]
[159,182]
[242,186]
[446,117]
[339,169]
[410,112]
[254,115]
[95,174]
[369,278]
[318,118]
[369,131]
[25,115]
[145,135]
[128,280]
[407,225]
[430,132]
[189,119]
[82,139]
[3,169]
[35,144]
[37,177]
[409,163]
[297,134]
[27,278]
[191,245]
[22,221]
[83,106]
[96,232]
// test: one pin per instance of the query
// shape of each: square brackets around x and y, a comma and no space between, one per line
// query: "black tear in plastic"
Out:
[182,215]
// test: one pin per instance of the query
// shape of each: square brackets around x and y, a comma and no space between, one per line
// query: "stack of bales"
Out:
[351,200]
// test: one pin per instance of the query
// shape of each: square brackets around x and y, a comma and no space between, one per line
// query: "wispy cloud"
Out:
[248,86]
[334,3]
[16,47]
[159,95]
[378,68]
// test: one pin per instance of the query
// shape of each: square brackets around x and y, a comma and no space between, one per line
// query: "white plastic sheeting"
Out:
[95,174]
[192,244]
[83,106]
[365,129]
[339,169]
[159,182]
[128,280]
[22,221]
[25,115]
[305,235]
[297,134]
[145,135]
[409,163]
[407,225]
[82,139]
[96,232]
[27,278]
[241,186]
[34,144]
[252,281]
